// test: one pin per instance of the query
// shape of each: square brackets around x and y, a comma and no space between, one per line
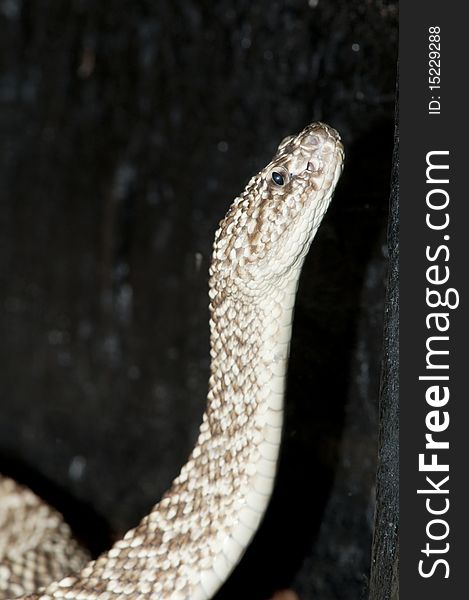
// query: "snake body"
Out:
[186,547]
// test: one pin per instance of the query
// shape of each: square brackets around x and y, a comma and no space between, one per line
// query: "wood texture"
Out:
[384,584]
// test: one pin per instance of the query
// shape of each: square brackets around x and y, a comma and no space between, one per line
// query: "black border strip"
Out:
[433,272]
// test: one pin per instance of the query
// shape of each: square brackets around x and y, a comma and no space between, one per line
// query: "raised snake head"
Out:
[269,228]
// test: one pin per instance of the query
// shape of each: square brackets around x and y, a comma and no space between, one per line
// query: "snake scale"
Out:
[189,543]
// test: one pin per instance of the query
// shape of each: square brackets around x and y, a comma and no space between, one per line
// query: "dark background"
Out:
[126,129]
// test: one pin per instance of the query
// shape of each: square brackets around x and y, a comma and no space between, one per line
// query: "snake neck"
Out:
[234,462]
[227,482]
[249,340]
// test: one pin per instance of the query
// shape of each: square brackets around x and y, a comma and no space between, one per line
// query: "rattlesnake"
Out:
[186,547]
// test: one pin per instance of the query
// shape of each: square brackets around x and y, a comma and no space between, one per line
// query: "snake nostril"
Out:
[313,166]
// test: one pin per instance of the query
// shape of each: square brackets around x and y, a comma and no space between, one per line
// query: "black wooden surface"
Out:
[384,583]
[126,129]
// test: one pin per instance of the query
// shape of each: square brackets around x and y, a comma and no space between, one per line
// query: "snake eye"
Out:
[278,178]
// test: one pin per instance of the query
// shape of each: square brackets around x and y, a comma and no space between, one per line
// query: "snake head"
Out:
[269,228]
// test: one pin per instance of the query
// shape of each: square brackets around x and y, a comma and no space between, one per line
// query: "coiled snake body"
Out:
[186,547]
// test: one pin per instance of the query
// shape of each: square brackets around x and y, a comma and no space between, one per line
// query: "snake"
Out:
[192,539]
